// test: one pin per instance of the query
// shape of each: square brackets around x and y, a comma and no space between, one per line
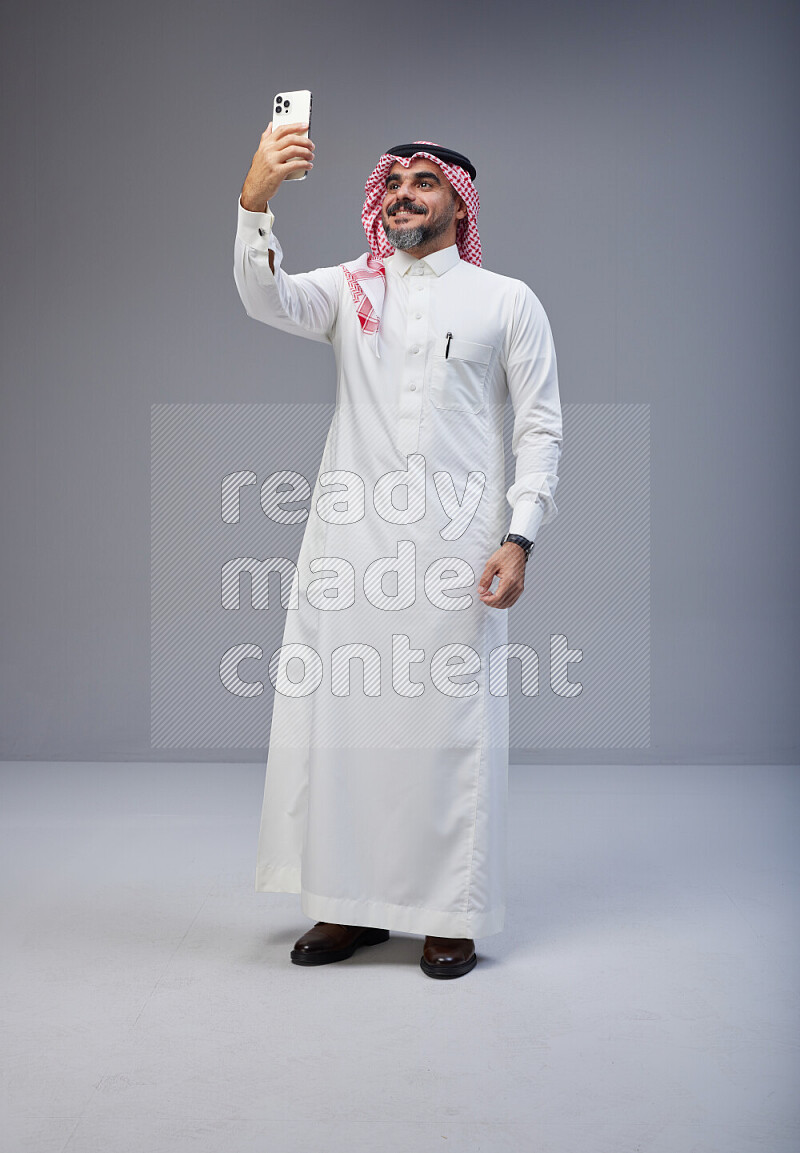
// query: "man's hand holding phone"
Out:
[282,151]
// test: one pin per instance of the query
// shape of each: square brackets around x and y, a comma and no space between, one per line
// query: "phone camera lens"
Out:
[286,105]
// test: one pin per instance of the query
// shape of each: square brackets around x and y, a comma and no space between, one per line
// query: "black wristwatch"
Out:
[522,541]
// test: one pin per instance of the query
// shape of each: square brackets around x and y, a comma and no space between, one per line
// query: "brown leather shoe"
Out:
[328,942]
[448,956]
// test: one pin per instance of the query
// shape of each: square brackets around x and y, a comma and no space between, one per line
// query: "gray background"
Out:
[637,167]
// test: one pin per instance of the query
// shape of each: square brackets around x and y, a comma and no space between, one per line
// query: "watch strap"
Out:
[522,541]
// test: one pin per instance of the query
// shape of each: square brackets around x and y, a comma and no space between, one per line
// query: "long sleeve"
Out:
[537,436]
[304,303]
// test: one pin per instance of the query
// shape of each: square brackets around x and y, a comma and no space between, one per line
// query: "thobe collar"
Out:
[367,280]
[437,262]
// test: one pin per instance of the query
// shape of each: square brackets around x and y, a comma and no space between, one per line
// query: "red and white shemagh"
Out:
[366,276]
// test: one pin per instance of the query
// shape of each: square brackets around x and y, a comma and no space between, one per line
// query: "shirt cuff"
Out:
[526,518]
[255,228]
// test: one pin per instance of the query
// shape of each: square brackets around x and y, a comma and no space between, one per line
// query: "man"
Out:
[385,807]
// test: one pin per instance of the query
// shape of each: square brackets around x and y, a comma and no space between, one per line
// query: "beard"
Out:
[421,233]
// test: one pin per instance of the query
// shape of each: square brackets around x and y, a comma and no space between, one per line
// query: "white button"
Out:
[418,315]
[420,287]
[413,388]
[414,350]
[261,232]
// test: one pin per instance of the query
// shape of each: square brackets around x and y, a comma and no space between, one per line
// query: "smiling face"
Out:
[421,209]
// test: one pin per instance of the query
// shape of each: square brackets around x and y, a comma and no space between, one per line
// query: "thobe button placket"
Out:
[410,405]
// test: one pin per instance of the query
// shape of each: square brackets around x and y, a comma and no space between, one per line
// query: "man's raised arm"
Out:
[305,303]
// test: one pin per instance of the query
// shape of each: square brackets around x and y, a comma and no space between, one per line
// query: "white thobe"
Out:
[385,799]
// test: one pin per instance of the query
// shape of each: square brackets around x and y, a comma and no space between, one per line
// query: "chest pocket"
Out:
[458,381]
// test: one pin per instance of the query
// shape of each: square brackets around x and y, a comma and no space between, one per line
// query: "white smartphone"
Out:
[291,108]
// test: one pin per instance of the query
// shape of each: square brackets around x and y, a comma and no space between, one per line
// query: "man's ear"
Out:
[461,209]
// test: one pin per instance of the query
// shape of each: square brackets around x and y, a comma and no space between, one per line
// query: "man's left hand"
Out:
[508,563]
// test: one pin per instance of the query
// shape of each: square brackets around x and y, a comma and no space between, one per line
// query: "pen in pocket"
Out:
[449,336]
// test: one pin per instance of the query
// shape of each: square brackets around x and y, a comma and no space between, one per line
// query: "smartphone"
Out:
[290,108]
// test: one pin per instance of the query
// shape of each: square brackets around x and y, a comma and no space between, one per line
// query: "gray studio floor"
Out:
[642,998]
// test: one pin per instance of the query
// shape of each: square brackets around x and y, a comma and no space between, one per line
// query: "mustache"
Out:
[404,206]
